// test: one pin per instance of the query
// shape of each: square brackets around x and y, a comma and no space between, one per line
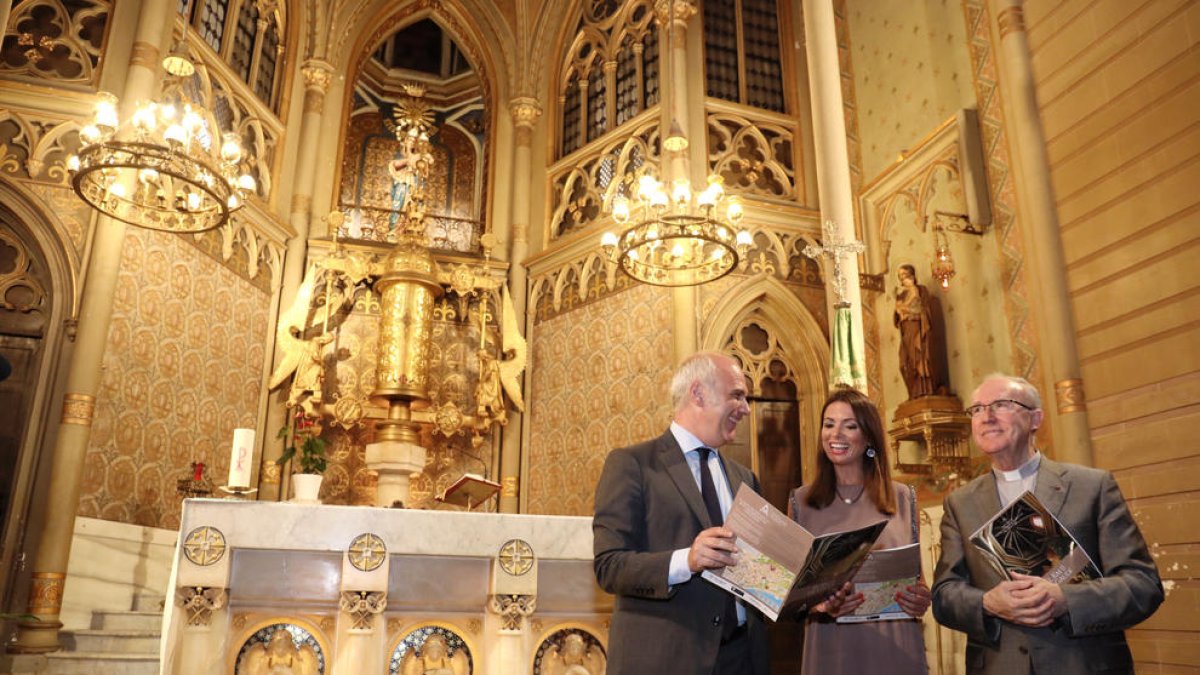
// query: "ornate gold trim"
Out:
[1011,20]
[366,552]
[78,409]
[516,557]
[204,546]
[145,54]
[46,593]
[510,484]
[512,609]
[1069,396]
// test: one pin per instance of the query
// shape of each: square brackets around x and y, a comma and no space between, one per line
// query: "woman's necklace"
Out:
[850,500]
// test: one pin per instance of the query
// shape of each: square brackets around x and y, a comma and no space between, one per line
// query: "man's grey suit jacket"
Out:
[648,506]
[1091,635]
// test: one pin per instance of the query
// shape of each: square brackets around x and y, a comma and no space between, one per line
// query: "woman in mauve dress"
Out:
[854,489]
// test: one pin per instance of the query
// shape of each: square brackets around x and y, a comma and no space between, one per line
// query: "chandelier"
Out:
[676,239]
[166,167]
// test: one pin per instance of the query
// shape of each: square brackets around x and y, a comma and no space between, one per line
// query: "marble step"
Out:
[148,602]
[117,642]
[111,620]
[85,663]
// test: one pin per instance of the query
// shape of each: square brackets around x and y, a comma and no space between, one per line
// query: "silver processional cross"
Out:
[835,249]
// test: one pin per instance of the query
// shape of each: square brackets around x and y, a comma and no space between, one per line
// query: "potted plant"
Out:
[303,442]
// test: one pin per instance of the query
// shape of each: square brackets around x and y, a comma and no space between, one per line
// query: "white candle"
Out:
[240,459]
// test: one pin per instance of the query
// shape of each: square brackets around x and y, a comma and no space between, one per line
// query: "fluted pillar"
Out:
[525,111]
[84,369]
[829,147]
[1042,237]
[317,76]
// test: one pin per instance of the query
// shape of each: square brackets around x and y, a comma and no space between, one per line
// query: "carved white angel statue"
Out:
[573,657]
[434,659]
[279,656]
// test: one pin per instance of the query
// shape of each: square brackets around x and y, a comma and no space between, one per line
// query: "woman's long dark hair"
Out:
[877,472]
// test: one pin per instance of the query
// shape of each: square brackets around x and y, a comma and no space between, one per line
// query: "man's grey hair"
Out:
[701,366]
[1030,392]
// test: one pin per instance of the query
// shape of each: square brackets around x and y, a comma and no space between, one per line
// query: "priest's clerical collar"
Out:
[687,440]
[1022,472]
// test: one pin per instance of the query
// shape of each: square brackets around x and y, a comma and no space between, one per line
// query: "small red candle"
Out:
[198,472]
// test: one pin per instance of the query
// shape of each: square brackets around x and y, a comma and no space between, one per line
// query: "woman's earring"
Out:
[871,453]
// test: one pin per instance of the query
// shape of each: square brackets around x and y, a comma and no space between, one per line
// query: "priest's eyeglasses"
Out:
[1000,405]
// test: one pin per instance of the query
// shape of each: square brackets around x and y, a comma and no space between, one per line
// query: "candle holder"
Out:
[237,491]
[195,485]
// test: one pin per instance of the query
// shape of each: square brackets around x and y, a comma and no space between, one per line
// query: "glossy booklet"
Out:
[1025,537]
[783,568]
[883,574]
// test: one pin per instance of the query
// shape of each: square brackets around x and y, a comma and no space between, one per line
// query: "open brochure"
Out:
[783,568]
[884,573]
[1025,537]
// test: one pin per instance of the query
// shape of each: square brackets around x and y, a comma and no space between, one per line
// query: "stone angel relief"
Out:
[573,657]
[502,375]
[279,656]
[434,659]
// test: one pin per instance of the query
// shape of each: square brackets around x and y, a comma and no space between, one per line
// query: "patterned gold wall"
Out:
[182,369]
[598,381]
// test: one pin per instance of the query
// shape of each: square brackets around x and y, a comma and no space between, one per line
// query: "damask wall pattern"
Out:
[599,378]
[183,367]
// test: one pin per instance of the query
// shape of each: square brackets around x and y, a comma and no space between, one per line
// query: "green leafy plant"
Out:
[302,441]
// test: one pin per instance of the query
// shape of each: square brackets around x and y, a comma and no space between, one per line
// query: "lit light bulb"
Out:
[90,133]
[231,147]
[682,191]
[148,176]
[106,112]
[620,209]
[193,201]
[72,163]
[144,118]
[117,190]
[608,240]
[233,202]
[734,210]
[191,121]
[647,186]
[247,182]
[659,198]
[677,250]
[167,112]
[744,239]
[175,135]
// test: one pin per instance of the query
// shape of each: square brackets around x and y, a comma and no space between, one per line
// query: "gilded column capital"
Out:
[525,110]
[317,75]
[1069,396]
[513,609]
[1011,20]
[78,409]
[683,9]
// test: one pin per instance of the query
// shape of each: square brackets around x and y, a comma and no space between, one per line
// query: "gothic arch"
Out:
[799,333]
[37,228]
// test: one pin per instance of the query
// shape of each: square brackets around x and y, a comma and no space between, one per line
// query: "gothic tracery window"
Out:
[611,72]
[246,34]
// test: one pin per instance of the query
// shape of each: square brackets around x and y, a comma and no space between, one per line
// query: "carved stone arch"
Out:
[799,333]
[33,226]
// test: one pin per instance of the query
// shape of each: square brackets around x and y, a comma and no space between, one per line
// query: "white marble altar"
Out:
[365,586]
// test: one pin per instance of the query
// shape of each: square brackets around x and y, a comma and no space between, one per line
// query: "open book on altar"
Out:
[1025,537]
[884,573]
[783,568]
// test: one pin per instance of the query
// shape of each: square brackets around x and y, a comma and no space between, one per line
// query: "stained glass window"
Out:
[242,53]
[212,22]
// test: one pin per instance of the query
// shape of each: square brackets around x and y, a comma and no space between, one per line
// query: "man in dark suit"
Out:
[1027,624]
[658,525]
